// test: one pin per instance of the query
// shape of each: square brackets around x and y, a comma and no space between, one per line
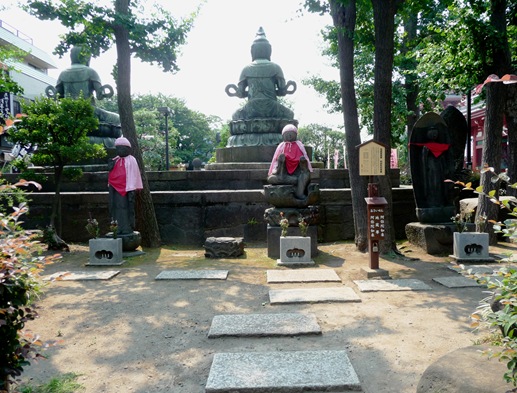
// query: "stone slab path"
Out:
[457,282]
[313,295]
[82,275]
[405,284]
[298,371]
[302,275]
[192,275]
[260,325]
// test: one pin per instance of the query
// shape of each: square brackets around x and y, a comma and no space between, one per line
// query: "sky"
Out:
[217,48]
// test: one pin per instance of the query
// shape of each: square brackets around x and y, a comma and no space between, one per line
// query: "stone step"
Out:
[457,282]
[261,325]
[192,275]
[302,275]
[313,295]
[286,372]
[404,284]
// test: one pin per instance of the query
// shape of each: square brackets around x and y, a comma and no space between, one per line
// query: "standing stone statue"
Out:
[124,179]
[431,161]
[80,79]
[261,119]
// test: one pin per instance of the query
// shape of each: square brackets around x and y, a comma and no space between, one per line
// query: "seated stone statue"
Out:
[261,82]
[123,180]
[290,164]
[79,79]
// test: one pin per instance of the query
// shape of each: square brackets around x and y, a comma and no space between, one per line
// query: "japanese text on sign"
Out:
[376,223]
[372,156]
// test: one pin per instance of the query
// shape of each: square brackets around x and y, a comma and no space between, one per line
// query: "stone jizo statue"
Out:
[124,179]
[291,164]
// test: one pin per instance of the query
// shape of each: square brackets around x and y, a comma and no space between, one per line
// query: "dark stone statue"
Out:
[124,180]
[79,79]
[431,161]
[260,120]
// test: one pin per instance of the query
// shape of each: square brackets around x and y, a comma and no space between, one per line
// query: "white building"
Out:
[31,74]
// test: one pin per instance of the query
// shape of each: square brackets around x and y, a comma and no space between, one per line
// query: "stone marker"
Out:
[329,371]
[192,275]
[457,282]
[224,247]
[406,284]
[78,276]
[246,325]
[313,295]
[302,275]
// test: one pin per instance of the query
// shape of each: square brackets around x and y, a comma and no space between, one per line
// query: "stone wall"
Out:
[189,217]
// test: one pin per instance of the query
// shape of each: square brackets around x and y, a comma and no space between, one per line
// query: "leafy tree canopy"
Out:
[154,34]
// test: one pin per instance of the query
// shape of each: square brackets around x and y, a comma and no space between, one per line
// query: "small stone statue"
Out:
[291,164]
[123,180]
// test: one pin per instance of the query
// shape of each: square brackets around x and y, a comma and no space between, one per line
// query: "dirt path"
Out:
[135,334]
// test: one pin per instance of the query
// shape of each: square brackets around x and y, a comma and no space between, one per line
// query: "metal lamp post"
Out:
[166,111]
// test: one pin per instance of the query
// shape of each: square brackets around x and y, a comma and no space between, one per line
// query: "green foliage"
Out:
[20,266]
[66,383]
[154,34]
[7,84]
[322,139]
[10,197]
[58,128]
[191,134]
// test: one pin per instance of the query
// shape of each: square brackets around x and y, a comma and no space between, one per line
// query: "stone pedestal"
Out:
[273,240]
[224,247]
[434,239]
[130,241]
[471,247]
[105,252]
[295,250]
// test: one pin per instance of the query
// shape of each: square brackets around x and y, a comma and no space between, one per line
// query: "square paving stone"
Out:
[289,372]
[405,284]
[192,275]
[302,275]
[246,325]
[457,282]
[79,276]
[313,295]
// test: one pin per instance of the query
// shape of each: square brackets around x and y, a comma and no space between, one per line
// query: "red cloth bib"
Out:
[436,148]
[117,177]
[292,156]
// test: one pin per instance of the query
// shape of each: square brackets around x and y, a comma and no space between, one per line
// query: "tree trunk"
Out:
[411,82]
[511,124]
[495,106]
[55,216]
[344,18]
[146,216]
[384,21]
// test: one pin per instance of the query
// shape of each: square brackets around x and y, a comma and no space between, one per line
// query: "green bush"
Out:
[20,267]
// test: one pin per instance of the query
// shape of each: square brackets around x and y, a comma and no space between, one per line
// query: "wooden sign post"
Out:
[372,159]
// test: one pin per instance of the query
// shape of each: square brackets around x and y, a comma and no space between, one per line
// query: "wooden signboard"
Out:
[372,159]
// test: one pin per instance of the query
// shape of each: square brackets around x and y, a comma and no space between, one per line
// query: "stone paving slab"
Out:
[479,269]
[79,276]
[192,275]
[405,284]
[246,325]
[286,372]
[302,275]
[457,282]
[313,295]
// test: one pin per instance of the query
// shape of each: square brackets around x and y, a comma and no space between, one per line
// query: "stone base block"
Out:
[224,247]
[273,240]
[434,239]
[295,250]
[375,273]
[105,252]
[471,246]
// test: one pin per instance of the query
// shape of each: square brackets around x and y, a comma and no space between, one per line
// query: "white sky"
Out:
[217,49]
